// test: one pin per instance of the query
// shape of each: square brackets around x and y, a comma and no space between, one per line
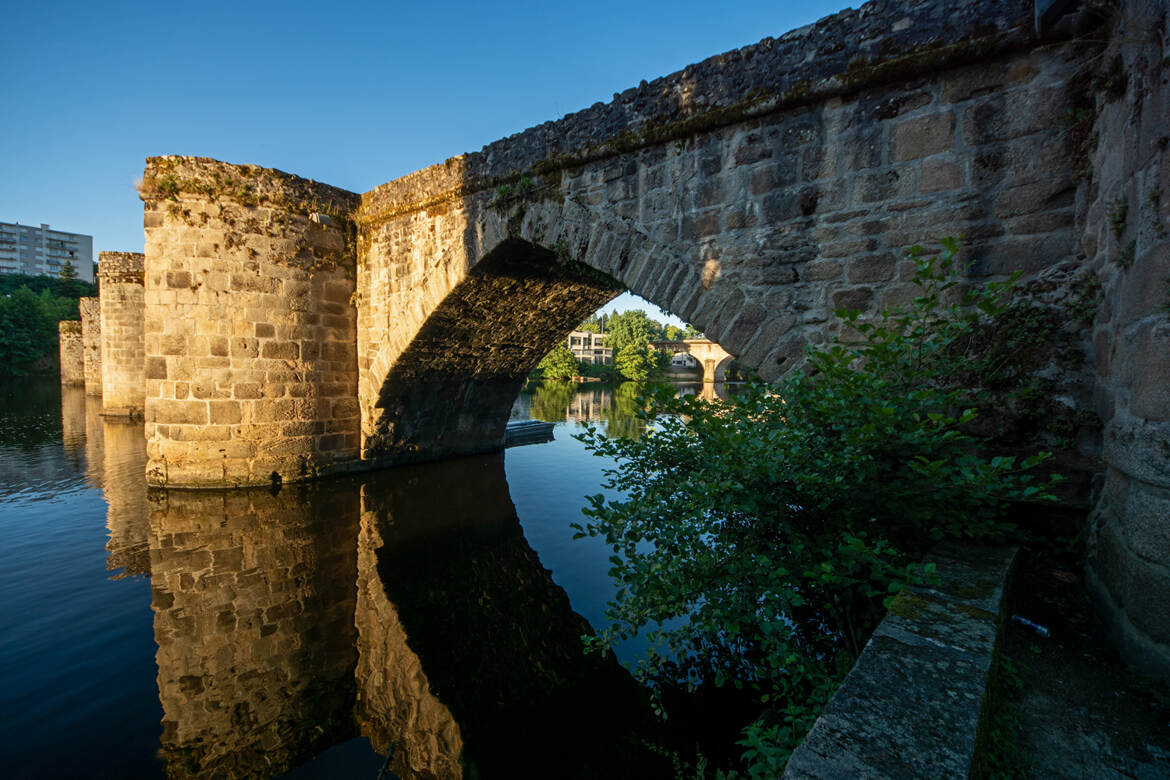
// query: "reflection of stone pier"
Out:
[254,604]
[73,420]
[95,442]
[127,512]
[455,645]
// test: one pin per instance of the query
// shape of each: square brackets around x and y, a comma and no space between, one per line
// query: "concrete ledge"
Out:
[911,705]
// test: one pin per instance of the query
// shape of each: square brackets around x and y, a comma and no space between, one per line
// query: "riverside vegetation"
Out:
[30,308]
[759,543]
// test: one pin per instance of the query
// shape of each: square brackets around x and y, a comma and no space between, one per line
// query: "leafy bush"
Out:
[759,542]
[637,362]
[559,363]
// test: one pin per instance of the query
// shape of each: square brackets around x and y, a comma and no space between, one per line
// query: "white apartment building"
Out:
[42,251]
[590,347]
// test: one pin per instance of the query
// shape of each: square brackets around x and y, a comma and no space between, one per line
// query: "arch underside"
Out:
[450,391]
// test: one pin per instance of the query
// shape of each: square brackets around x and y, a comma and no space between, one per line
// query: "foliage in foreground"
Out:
[759,542]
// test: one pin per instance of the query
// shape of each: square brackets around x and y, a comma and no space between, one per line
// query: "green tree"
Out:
[68,271]
[758,543]
[632,327]
[637,361]
[27,329]
[672,333]
[559,364]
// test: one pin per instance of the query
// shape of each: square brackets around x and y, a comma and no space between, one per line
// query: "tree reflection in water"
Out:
[615,405]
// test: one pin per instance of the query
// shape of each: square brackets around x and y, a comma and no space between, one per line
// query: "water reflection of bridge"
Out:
[407,608]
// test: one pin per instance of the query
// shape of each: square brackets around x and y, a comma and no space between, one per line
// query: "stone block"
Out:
[912,704]
[855,298]
[870,268]
[1146,522]
[1041,196]
[224,412]
[179,412]
[821,270]
[1145,604]
[1138,448]
[1147,371]
[1143,288]
[923,136]
[1002,118]
[939,175]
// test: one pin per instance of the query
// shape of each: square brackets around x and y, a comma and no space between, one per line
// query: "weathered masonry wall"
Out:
[91,338]
[72,353]
[1125,222]
[751,194]
[250,342]
[120,279]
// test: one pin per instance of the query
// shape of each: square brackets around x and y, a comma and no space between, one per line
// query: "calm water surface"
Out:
[434,612]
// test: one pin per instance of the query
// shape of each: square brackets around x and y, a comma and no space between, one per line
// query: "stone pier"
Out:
[72,353]
[251,366]
[122,358]
[91,338]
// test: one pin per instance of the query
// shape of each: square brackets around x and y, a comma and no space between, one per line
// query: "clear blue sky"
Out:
[345,93]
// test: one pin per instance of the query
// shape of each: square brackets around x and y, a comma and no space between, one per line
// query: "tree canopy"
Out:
[30,308]
[559,363]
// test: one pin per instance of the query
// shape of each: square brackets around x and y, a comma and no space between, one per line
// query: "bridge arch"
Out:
[457,305]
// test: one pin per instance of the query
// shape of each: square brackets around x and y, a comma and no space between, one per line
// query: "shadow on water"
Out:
[455,646]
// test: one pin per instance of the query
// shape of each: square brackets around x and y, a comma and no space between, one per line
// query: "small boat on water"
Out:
[521,432]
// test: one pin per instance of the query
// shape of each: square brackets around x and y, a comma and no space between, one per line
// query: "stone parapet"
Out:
[120,277]
[912,704]
[880,42]
[250,366]
[72,353]
[91,337]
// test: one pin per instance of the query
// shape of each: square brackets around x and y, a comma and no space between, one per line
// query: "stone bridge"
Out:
[293,329]
[713,358]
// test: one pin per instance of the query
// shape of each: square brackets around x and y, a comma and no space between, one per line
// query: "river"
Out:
[434,612]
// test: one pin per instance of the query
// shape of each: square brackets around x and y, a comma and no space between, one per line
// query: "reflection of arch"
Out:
[497,638]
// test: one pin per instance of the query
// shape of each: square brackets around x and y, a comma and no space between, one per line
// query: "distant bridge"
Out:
[713,358]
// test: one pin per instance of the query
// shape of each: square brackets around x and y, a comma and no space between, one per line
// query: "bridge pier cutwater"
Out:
[292,329]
